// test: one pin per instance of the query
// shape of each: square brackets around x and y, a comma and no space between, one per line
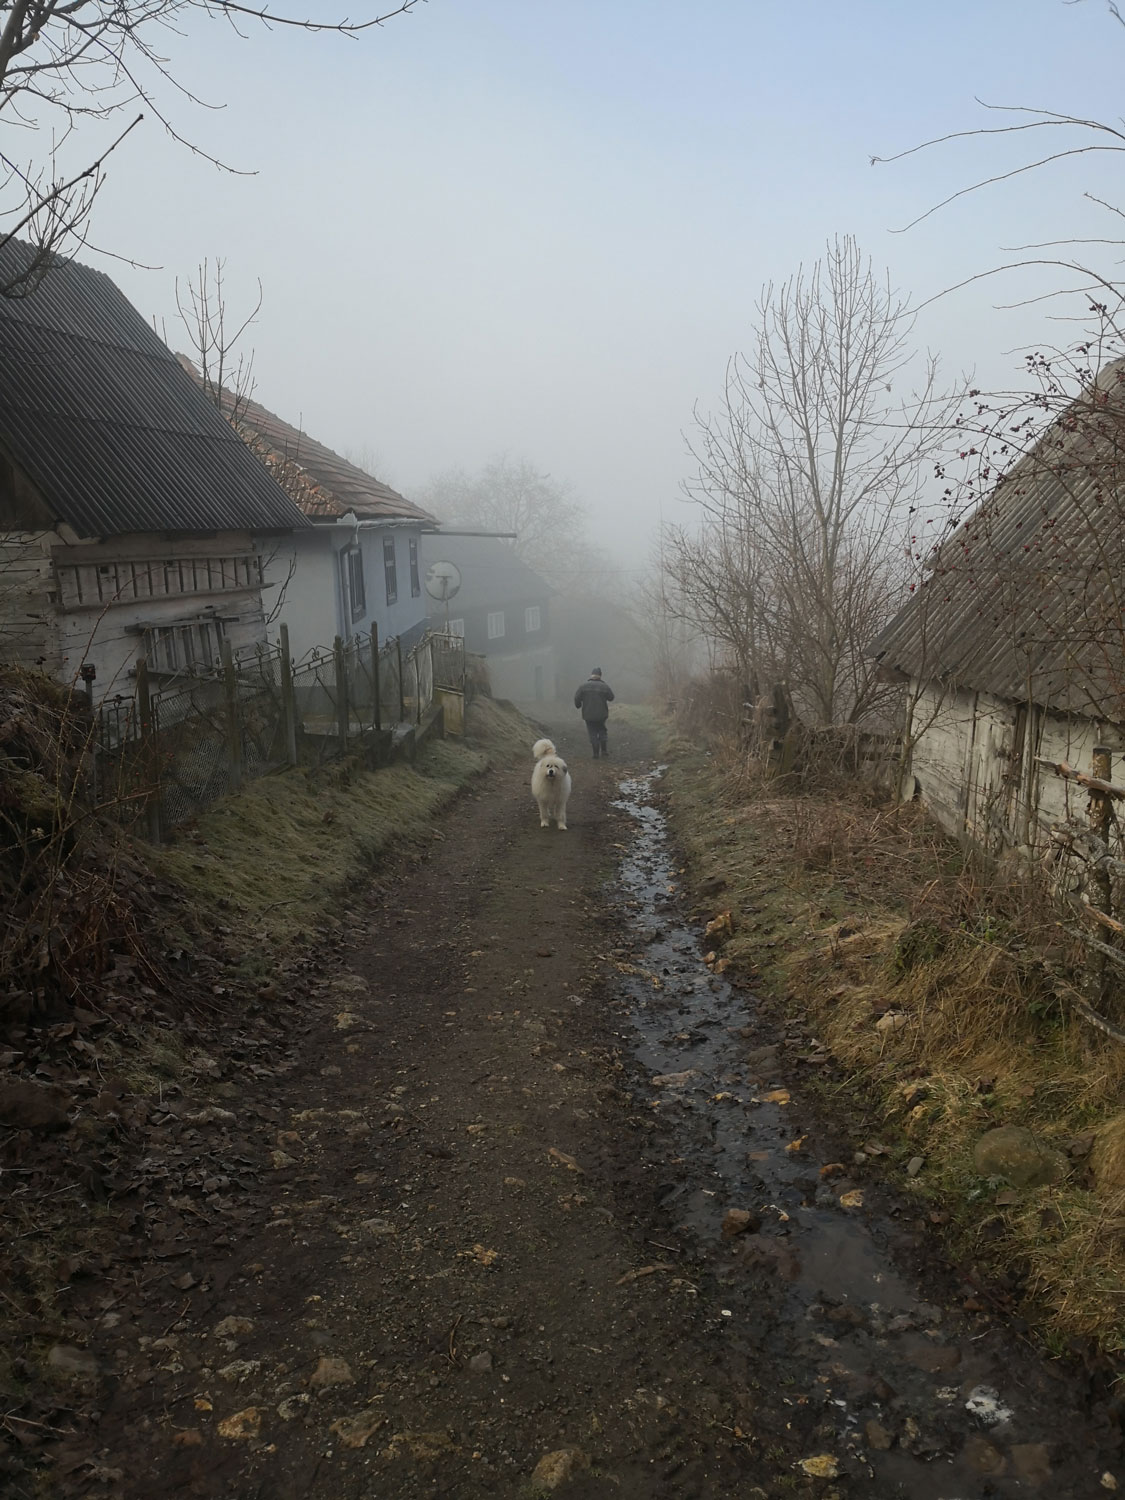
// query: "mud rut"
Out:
[471,1231]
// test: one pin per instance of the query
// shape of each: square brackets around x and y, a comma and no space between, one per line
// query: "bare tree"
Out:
[665,623]
[225,371]
[806,477]
[1043,138]
[72,68]
[713,583]
[513,495]
[226,374]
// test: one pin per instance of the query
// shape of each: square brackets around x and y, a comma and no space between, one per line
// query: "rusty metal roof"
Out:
[1024,599]
[97,413]
[321,482]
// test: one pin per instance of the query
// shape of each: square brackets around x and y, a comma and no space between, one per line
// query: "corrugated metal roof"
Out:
[1024,600]
[321,482]
[109,429]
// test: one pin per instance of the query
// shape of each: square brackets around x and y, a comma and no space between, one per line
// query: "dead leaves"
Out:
[481,1255]
[242,1426]
[354,1431]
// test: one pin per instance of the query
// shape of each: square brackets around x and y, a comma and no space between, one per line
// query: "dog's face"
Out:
[555,767]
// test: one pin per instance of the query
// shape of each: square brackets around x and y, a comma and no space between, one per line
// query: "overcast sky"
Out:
[541,226]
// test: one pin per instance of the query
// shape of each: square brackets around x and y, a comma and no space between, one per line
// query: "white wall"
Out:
[28,631]
[301,590]
[314,604]
[110,633]
[513,676]
[976,768]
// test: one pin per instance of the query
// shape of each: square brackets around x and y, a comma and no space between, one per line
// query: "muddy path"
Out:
[449,1229]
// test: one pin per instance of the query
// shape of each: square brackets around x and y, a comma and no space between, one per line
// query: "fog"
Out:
[517,226]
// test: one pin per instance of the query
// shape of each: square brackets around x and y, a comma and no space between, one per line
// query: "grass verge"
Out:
[930,983]
[272,861]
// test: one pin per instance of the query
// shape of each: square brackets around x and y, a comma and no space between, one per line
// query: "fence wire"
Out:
[163,760]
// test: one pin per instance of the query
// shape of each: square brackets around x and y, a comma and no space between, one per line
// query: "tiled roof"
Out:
[321,482]
[111,432]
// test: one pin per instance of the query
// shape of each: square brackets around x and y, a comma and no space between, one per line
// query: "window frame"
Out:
[415,573]
[184,646]
[354,582]
[530,611]
[495,635]
[390,569]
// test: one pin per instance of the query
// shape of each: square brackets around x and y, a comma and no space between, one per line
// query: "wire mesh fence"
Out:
[165,755]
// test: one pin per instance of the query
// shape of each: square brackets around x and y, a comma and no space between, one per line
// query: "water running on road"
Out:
[924,1403]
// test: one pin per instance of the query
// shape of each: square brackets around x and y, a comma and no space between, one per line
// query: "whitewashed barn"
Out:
[1012,651]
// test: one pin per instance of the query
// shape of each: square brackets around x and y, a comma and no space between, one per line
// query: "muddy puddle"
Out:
[905,1397]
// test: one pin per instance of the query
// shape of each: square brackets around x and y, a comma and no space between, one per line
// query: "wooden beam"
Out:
[1100,916]
[1091,783]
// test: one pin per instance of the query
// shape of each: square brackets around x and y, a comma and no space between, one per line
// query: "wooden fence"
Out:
[165,755]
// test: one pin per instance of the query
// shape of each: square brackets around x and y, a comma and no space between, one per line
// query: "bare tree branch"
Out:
[806,475]
[66,63]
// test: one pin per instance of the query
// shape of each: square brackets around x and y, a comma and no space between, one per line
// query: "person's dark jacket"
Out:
[594,698]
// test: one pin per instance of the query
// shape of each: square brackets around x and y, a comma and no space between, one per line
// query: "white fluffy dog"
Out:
[550,784]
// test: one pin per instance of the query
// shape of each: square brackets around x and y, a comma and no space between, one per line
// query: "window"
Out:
[195,647]
[351,563]
[457,627]
[496,625]
[531,618]
[415,577]
[389,569]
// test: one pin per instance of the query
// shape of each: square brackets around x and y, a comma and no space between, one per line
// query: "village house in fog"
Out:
[358,564]
[133,519]
[503,610]
[1014,647]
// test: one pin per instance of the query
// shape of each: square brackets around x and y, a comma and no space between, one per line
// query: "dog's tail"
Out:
[542,748]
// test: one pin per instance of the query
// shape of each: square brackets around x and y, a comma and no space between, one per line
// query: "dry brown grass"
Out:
[849,910]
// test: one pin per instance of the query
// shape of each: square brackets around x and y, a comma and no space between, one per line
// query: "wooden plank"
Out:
[1100,916]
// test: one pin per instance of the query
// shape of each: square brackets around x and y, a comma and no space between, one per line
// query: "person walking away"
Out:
[594,698]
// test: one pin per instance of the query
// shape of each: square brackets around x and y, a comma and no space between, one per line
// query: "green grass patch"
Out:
[272,860]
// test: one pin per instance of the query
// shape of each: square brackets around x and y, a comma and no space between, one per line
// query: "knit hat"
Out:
[596,672]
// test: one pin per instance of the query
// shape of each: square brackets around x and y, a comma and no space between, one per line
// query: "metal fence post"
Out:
[401,683]
[150,767]
[377,717]
[234,738]
[288,699]
[343,715]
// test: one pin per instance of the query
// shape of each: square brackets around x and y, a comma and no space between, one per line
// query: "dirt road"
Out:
[451,1238]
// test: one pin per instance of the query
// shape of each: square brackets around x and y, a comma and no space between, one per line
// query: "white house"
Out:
[358,564]
[132,518]
[503,611]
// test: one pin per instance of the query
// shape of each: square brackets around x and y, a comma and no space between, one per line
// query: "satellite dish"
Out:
[443,579]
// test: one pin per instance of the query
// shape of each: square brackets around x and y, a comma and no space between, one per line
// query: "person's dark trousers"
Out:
[599,736]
